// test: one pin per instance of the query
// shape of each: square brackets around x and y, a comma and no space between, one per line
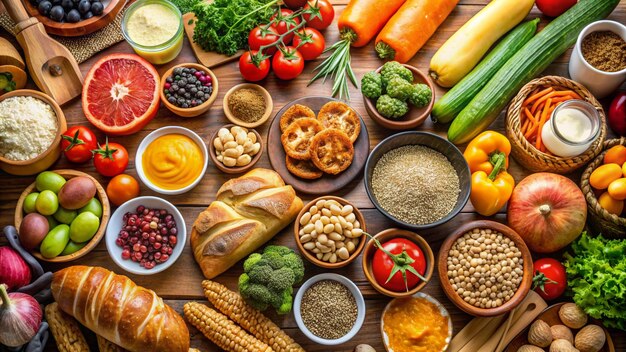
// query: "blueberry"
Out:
[84,6]
[192,70]
[178,71]
[182,82]
[57,13]
[199,94]
[174,87]
[169,79]
[89,14]
[172,100]
[187,96]
[56,2]
[192,80]
[181,91]
[73,16]
[193,90]
[44,7]
[186,70]
[97,8]
[67,5]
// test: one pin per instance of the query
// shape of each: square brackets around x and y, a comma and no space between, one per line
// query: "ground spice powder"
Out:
[247,105]
[328,309]
[605,51]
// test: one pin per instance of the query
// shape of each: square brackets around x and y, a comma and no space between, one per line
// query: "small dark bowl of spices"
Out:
[417,179]
[188,89]
[248,105]
[329,309]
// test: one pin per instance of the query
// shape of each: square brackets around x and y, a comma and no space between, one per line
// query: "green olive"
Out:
[84,227]
[47,203]
[49,180]
[55,241]
[65,216]
[29,203]
[93,206]
[73,247]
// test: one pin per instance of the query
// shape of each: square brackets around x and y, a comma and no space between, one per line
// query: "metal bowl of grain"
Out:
[417,179]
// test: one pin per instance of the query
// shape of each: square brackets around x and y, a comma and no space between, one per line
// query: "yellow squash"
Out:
[461,52]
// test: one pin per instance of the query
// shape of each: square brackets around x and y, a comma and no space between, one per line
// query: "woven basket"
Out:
[600,220]
[530,157]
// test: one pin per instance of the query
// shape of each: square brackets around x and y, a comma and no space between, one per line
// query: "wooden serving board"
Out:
[206,58]
[551,316]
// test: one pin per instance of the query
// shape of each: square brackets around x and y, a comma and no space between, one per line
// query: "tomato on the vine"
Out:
[294,4]
[282,21]
[122,188]
[309,42]
[550,280]
[554,8]
[110,159]
[263,35]
[407,257]
[288,63]
[254,66]
[319,14]
[77,144]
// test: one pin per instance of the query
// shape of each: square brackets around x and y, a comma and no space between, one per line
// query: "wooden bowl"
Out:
[66,29]
[387,235]
[235,169]
[415,116]
[50,155]
[310,256]
[527,276]
[196,110]
[269,105]
[101,194]
[551,316]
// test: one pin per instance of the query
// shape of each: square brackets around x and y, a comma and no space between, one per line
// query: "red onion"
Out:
[20,317]
[14,272]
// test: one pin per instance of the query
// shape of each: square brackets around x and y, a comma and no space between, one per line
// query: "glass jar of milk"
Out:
[572,128]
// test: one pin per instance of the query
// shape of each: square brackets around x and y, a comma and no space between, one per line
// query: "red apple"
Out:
[548,210]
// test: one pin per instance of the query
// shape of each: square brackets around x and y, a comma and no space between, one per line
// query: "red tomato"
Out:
[260,36]
[294,4]
[110,159]
[554,8]
[319,14]
[550,279]
[77,144]
[288,63]
[283,21]
[309,42]
[254,66]
[383,265]
[122,188]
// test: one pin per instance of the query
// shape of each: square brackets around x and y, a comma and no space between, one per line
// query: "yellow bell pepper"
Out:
[481,148]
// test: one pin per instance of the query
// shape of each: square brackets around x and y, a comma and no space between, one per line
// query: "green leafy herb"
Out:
[596,275]
[223,25]
[185,6]
[7,83]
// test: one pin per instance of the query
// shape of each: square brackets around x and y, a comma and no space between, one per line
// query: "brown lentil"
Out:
[247,105]
[605,51]
[415,184]
[328,309]
[485,268]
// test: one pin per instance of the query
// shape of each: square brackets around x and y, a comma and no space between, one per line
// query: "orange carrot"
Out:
[544,118]
[529,116]
[365,18]
[541,100]
[560,93]
[410,28]
[563,98]
[525,125]
[537,95]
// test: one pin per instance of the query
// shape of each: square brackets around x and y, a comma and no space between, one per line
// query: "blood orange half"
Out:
[120,95]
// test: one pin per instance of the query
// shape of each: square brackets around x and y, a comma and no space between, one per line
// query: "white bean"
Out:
[346,210]
[306,217]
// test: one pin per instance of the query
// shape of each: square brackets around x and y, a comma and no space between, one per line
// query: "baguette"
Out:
[114,307]
[248,211]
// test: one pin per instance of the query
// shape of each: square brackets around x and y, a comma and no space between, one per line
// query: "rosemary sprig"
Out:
[337,67]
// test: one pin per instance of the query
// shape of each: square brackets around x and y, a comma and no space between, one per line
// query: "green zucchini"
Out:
[527,63]
[451,104]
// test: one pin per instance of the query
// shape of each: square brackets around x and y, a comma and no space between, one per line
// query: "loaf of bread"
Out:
[248,211]
[114,307]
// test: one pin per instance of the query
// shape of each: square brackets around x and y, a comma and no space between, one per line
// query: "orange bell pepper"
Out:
[481,148]
[490,192]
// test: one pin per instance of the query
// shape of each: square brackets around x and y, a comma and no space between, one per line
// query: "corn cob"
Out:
[221,330]
[231,304]
[105,345]
[65,330]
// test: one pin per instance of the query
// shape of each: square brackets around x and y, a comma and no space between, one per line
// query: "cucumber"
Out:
[527,63]
[451,104]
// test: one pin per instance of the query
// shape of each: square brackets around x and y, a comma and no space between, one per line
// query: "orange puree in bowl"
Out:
[415,325]
[172,161]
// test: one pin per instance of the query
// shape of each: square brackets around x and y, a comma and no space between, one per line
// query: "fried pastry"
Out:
[332,151]
[303,168]
[340,116]
[295,112]
[296,139]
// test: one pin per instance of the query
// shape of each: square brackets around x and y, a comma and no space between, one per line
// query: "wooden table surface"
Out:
[181,282]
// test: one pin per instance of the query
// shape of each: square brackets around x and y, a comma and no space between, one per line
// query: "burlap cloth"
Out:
[85,46]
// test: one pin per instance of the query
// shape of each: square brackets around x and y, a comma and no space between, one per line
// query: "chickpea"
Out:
[235,147]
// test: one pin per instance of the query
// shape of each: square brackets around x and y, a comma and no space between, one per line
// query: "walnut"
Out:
[591,338]
[540,334]
[572,316]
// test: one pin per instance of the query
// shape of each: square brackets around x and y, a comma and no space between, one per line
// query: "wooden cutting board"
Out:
[206,58]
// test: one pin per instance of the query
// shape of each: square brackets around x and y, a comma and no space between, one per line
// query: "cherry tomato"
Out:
[383,265]
[77,144]
[554,8]
[110,159]
[254,66]
[288,63]
[122,188]
[284,22]
[319,14]
[260,36]
[550,279]
[310,43]
[294,4]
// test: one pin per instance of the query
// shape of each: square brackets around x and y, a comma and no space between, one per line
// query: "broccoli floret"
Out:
[269,278]
[399,88]
[391,108]
[420,95]
[372,85]
[395,68]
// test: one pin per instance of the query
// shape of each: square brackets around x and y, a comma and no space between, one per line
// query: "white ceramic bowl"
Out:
[115,225]
[360,303]
[429,298]
[162,132]
[599,83]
